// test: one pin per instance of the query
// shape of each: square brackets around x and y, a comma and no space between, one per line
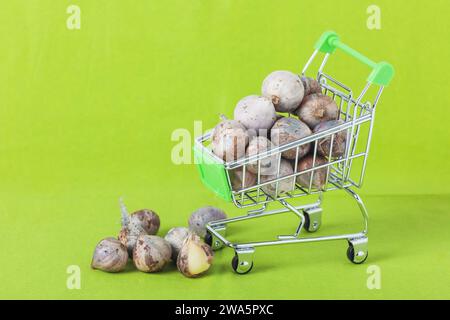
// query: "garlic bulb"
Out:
[175,237]
[151,253]
[319,176]
[195,257]
[285,89]
[147,220]
[229,139]
[339,139]
[138,223]
[316,108]
[282,186]
[110,255]
[200,217]
[255,113]
[311,86]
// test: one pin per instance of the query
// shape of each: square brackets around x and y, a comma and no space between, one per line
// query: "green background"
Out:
[87,115]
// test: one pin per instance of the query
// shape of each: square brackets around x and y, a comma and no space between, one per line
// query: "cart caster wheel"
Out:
[212,241]
[241,267]
[356,260]
[208,239]
[357,251]
[313,219]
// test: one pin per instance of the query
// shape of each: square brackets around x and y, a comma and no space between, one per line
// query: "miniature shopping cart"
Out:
[342,173]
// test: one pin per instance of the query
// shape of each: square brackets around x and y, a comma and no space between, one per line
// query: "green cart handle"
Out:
[382,72]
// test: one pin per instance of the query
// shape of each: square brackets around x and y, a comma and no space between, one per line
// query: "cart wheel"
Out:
[313,219]
[208,239]
[306,221]
[241,267]
[212,241]
[358,259]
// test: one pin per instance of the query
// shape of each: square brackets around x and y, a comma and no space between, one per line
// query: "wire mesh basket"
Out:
[341,168]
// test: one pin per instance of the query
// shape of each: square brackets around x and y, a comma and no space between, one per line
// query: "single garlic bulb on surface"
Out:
[139,222]
[110,255]
[175,237]
[151,253]
[200,217]
[147,219]
[195,257]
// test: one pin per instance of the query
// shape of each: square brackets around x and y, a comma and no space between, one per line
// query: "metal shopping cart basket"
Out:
[342,173]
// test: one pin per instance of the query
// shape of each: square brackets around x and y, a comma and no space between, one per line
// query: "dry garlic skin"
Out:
[285,89]
[255,113]
[110,255]
[195,257]
[175,237]
[151,253]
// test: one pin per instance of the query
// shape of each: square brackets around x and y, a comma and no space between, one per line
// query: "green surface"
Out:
[87,115]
